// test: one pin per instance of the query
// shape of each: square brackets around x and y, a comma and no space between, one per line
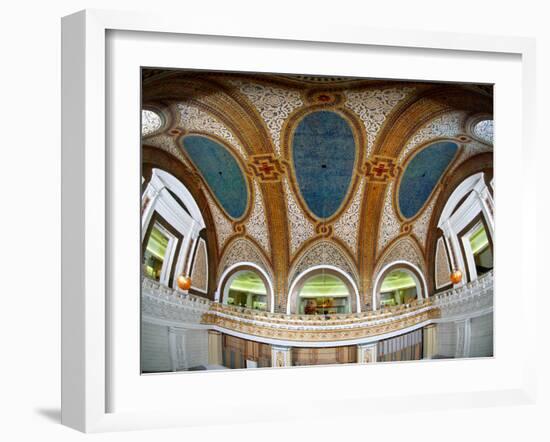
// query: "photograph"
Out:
[302,220]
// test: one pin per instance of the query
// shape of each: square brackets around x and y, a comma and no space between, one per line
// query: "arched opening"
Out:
[482,253]
[398,287]
[247,289]
[464,183]
[181,188]
[174,237]
[247,286]
[155,254]
[323,294]
[323,291]
[467,223]
[398,283]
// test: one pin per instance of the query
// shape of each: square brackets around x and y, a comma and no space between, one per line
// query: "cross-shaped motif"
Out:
[266,167]
[380,169]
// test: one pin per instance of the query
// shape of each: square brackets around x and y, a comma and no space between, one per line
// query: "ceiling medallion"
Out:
[323,229]
[176,132]
[324,98]
[239,228]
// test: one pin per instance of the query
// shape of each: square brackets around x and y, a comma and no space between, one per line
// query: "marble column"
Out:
[281,356]
[215,349]
[367,353]
[429,339]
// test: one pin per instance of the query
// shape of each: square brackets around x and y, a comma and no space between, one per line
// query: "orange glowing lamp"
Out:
[184,282]
[456,276]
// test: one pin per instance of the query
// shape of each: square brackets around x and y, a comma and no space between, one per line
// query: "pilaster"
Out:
[281,356]
[367,353]
[429,340]
[215,348]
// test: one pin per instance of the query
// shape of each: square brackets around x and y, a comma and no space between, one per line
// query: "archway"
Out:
[171,223]
[156,158]
[398,283]
[246,285]
[323,290]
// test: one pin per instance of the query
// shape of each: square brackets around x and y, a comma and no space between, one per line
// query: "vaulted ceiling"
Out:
[304,170]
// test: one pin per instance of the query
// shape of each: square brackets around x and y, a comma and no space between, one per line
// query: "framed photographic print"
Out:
[280,214]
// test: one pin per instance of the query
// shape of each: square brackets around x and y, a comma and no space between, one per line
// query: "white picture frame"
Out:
[90,358]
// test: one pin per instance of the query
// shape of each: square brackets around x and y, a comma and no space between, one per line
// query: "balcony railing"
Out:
[162,303]
[473,297]
[173,305]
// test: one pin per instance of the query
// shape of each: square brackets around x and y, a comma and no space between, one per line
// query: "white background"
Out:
[30,257]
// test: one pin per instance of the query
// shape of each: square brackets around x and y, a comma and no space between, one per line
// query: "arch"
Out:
[323,253]
[476,165]
[404,248]
[243,249]
[303,277]
[228,275]
[460,192]
[417,274]
[156,158]
[469,201]
[176,186]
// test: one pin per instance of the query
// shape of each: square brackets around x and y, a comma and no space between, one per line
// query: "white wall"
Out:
[196,348]
[482,336]
[155,352]
[470,338]
[446,339]
[165,349]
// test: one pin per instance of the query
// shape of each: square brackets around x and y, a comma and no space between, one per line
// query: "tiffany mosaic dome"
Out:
[304,209]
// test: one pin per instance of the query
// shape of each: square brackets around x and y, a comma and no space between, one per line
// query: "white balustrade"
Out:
[176,307]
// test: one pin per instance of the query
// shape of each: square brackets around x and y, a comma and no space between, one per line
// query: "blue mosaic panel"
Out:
[220,170]
[422,175]
[323,150]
